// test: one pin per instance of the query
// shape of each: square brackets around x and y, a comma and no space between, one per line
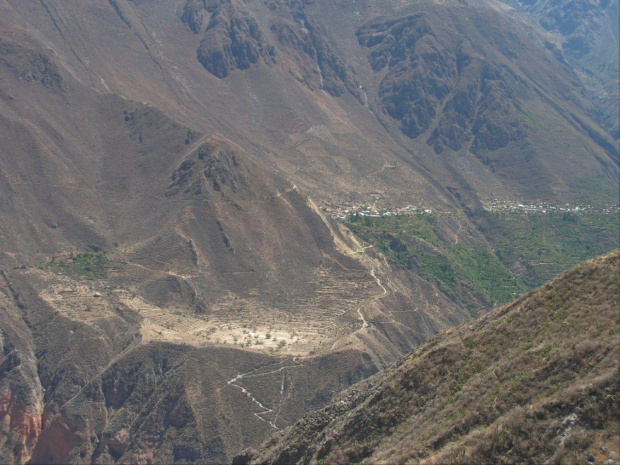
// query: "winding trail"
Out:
[280,194]
[379,171]
[456,239]
[372,273]
[365,323]
[185,277]
[253,399]
[252,374]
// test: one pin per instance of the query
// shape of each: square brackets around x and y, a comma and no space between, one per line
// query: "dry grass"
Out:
[532,382]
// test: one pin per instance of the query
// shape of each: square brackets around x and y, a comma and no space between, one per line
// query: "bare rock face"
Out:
[483,106]
[232,39]
[586,32]
[20,390]
[213,166]
[420,71]
[306,41]
[467,98]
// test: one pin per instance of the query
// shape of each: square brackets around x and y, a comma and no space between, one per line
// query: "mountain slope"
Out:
[307,89]
[164,293]
[472,82]
[587,32]
[171,288]
[536,380]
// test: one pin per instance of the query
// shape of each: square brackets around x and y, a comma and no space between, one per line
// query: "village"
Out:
[343,212]
[508,206]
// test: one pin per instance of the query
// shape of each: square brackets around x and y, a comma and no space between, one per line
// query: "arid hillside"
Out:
[333,95]
[165,294]
[587,32]
[175,286]
[535,381]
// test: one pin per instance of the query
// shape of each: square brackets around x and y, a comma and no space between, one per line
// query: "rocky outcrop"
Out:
[308,44]
[467,100]
[213,167]
[232,38]
[483,106]
[420,71]
[31,66]
[194,15]
[320,65]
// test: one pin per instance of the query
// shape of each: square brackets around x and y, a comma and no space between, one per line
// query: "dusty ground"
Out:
[312,323]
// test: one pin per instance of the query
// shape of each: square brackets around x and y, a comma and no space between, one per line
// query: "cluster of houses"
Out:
[342,213]
[508,206]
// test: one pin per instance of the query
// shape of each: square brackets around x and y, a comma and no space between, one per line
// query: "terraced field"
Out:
[322,313]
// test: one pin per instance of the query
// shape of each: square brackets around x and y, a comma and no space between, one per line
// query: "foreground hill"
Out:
[534,381]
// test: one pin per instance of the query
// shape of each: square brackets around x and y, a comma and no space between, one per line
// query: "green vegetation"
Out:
[525,250]
[593,191]
[540,247]
[468,274]
[85,265]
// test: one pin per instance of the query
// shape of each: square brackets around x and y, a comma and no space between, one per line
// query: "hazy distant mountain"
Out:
[587,34]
